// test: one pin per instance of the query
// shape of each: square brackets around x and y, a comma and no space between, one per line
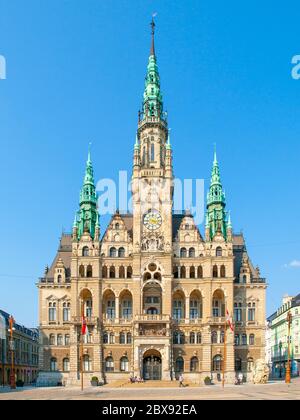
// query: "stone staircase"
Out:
[149,384]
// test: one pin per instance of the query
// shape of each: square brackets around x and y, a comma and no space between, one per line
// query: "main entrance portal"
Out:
[152,366]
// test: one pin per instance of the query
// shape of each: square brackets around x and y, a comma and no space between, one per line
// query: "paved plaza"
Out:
[271,391]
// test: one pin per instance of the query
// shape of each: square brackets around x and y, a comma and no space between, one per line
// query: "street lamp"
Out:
[280,359]
[288,368]
[12,350]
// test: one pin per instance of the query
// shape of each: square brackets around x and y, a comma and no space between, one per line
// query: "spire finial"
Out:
[89,151]
[152,24]
[215,154]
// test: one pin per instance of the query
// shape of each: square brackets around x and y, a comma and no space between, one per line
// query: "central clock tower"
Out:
[152,180]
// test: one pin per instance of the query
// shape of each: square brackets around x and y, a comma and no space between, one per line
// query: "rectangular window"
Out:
[251,314]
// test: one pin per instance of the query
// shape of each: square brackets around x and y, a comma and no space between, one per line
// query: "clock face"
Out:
[152,220]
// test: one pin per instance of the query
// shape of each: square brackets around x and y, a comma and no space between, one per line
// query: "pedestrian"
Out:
[240,378]
[181,380]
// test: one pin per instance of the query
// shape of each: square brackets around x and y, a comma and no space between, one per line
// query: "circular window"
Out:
[152,267]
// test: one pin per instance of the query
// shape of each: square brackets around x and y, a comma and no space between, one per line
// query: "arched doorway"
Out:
[152,365]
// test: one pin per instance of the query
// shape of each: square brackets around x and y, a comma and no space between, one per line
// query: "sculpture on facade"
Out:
[260,372]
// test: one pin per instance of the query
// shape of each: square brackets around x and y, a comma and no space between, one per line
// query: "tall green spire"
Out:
[153,102]
[216,215]
[87,215]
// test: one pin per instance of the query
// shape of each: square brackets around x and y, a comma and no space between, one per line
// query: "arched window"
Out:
[183,253]
[59,340]
[53,364]
[112,272]
[238,364]
[52,340]
[222,335]
[175,272]
[179,365]
[192,338]
[113,252]
[87,363]
[214,337]
[200,272]
[192,272]
[52,312]
[194,364]
[81,271]
[182,272]
[250,364]
[109,364]
[217,363]
[85,251]
[215,271]
[121,272]
[111,338]
[199,338]
[244,340]
[251,339]
[66,312]
[104,272]
[122,338]
[218,251]
[152,152]
[192,252]
[223,271]
[66,364]
[110,309]
[178,309]
[89,271]
[129,272]
[121,252]
[237,340]
[178,337]
[124,365]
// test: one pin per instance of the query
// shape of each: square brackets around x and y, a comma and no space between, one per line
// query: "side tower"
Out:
[86,283]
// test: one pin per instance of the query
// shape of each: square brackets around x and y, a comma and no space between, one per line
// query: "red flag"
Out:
[83,325]
[229,320]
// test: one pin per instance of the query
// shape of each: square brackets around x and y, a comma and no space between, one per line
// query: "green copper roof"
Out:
[86,217]
[153,102]
[216,215]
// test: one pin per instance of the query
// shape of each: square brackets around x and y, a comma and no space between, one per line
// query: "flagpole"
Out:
[225,353]
[81,345]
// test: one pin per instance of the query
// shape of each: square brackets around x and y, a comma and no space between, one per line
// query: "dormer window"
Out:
[85,251]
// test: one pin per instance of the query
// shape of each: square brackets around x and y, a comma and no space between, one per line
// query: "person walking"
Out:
[181,380]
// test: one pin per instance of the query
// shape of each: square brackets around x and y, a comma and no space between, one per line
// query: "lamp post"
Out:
[12,350]
[288,368]
[280,359]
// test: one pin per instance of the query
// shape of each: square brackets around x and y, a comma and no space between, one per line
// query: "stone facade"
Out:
[26,352]
[154,291]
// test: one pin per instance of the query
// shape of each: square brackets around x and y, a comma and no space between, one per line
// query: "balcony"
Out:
[259,280]
[216,320]
[92,320]
[152,318]
[121,321]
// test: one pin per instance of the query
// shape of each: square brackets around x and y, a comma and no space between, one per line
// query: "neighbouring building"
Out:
[153,287]
[26,352]
[277,345]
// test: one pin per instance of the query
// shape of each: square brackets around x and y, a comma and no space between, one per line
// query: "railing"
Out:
[89,320]
[152,317]
[258,280]
[117,321]
[216,320]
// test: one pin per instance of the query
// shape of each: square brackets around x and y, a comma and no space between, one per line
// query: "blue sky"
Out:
[75,73]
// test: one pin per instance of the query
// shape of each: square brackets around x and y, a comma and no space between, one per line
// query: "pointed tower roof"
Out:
[216,215]
[152,102]
[86,218]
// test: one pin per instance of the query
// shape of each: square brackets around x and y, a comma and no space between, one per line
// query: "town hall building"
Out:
[154,289]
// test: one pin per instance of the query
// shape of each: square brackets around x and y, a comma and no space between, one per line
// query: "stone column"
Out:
[187,308]
[117,308]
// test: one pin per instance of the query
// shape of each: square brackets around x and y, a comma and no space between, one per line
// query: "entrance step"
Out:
[149,384]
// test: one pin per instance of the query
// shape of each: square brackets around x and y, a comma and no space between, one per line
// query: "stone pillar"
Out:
[187,308]
[206,353]
[117,308]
